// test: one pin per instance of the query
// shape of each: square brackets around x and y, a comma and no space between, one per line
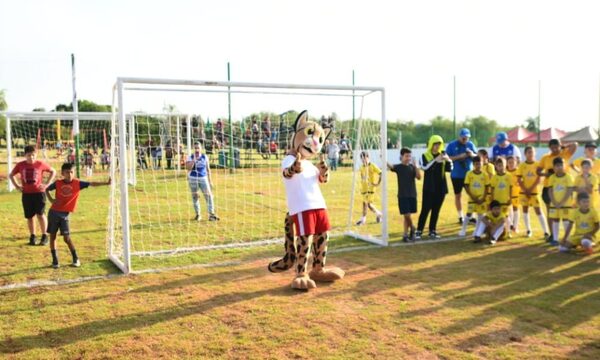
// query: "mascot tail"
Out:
[289,258]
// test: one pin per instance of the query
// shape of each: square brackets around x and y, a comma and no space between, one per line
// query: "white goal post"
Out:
[134,232]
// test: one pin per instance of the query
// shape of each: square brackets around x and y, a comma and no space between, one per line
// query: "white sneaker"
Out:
[529,233]
[360,222]
[462,233]
[493,241]
[76,263]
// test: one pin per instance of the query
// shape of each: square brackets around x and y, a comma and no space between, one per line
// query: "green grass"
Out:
[450,300]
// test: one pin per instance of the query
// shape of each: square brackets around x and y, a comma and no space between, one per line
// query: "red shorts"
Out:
[311,222]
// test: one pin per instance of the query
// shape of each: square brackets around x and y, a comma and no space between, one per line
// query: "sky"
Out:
[498,51]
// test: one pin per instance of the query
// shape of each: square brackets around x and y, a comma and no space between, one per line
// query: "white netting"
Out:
[245,160]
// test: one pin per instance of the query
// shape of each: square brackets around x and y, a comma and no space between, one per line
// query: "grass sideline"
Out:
[445,300]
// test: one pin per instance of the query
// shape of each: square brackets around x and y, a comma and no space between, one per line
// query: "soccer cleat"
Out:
[55,265]
[360,222]
[562,248]
[405,239]
[44,240]
[460,220]
[412,234]
[588,250]
[76,263]
[197,217]
[512,228]
[493,241]
[213,217]
[462,233]
[553,243]
[433,235]
[476,239]
[379,217]
[473,221]
[418,235]
[528,233]
[32,240]
[548,237]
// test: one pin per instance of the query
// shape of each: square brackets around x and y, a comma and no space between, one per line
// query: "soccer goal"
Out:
[243,129]
[51,133]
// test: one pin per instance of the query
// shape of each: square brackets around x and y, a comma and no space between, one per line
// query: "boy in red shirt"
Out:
[67,193]
[32,185]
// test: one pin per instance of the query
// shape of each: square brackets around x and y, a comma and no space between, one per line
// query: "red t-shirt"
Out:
[31,175]
[67,194]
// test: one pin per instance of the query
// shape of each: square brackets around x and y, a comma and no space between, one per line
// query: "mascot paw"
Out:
[303,283]
[327,275]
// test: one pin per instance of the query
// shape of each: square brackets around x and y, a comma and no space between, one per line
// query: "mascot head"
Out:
[308,137]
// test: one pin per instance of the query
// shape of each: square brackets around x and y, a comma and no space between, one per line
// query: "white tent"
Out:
[586,134]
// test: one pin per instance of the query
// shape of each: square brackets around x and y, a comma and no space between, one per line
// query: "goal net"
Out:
[243,129]
[51,133]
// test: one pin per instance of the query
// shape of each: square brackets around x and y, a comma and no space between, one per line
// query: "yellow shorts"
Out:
[515,201]
[563,213]
[531,201]
[368,196]
[477,208]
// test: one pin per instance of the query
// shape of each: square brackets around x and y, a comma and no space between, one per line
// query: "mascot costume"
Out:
[306,207]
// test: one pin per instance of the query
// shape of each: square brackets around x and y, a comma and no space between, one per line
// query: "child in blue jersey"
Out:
[199,179]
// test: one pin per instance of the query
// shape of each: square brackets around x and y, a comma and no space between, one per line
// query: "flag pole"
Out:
[539,113]
[76,116]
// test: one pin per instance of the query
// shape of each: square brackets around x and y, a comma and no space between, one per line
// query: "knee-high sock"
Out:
[527,220]
[543,222]
[465,223]
[515,221]
[566,224]
[479,218]
[479,229]
[555,229]
[496,235]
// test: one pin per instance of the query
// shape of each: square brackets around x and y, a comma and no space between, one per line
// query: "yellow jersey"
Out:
[477,183]
[516,189]
[595,164]
[369,175]
[489,169]
[584,222]
[528,172]
[546,163]
[580,185]
[495,219]
[560,186]
[500,185]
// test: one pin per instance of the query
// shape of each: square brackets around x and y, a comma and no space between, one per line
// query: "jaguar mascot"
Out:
[306,207]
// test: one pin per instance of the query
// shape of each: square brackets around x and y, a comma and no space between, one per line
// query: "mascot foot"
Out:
[327,275]
[303,283]
[276,267]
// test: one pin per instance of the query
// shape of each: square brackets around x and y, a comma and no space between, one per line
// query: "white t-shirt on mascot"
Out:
[303,191]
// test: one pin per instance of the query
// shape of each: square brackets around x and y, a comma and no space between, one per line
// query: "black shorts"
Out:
[58,220]
[407,205]
[33,204]
[458,185]
[546,196]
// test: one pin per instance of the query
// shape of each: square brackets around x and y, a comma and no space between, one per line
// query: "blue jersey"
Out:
[461,167]
[200,165]
[510,150]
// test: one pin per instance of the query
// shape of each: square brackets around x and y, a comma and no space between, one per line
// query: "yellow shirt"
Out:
[528,172]
[547,159]
[595,165]
[501,187]
[516,189]
[477,183]
[581,186]
[584,223]
[489,169]
[369,175]
[560,185]
[495,219]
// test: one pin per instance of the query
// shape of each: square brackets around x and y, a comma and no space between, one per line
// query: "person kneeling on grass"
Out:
[493,224]
[67,194]
[586,226]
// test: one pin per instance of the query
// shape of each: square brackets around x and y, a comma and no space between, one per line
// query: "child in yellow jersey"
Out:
[493,224]
[529,182]
[501,186]
[560,190]
[488,168]
[511,168]
[586,226]
[589,153]
[588,182]
[370,178]
[476,186]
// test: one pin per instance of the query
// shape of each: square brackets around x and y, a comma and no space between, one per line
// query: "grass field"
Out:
[446,300]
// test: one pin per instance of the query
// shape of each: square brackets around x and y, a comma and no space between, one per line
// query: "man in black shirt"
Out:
[406,172]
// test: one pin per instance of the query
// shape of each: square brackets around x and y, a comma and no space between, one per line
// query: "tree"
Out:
[531,124]
[3,106]
[84,106]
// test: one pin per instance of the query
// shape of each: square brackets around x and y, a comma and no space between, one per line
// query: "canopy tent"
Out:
[515,135]
[545,135]
[584,135]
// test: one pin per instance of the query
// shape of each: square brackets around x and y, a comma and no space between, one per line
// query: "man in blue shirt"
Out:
[461,152]
[504,148]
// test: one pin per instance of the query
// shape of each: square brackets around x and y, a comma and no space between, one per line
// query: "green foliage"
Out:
[531,124]
[84,106]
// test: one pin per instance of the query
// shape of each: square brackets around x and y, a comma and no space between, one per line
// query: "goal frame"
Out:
[126,160]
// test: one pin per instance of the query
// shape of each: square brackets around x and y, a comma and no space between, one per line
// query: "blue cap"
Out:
[501,137]
[464,132]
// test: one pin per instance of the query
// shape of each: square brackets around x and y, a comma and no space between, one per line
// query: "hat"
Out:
[591,145]
[501,137]
[464,132]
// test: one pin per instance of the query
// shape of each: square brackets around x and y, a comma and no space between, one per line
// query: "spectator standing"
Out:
[461,151]
[505,148]
[333,154]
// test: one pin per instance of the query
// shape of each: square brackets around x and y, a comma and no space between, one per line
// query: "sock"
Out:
[498,232]
[566,224]
[527,221]
[479,229]
[378,212]
[54,256]
[74,254]
[363,219]
[460,213]
[479,218]
[516,219]
[555,229]
[543,222]
[465,223]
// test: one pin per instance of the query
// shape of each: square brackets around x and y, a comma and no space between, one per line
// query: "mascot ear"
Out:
[301,120]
